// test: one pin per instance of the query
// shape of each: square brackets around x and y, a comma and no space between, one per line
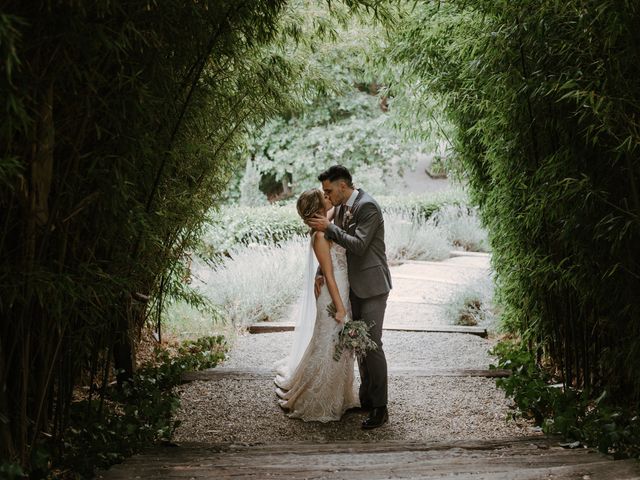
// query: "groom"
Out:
[359,227]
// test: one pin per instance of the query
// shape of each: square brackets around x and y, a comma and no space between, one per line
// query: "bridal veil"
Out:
[304,314]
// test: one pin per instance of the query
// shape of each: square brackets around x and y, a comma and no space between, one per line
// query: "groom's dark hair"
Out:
[336,172]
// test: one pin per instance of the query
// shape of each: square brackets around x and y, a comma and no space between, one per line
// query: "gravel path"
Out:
[402,349]
[429,408]
[425,409]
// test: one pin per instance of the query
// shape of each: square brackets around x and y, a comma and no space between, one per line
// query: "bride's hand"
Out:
[341,316]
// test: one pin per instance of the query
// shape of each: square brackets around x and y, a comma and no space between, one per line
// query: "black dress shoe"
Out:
[378,417]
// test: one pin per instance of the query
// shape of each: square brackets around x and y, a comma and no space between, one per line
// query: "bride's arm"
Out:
[323,254]
[331,213]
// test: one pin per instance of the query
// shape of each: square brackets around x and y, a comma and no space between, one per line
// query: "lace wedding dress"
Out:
[321,388]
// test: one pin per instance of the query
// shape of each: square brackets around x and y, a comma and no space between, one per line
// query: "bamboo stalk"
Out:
[183,109]
[7,444]
[44,391]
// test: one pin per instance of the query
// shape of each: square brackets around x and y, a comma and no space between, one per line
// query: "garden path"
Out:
[416,180]
[422,292]
[447,418]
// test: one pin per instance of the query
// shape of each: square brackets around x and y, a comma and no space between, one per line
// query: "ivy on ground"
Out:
[582,417]
[141,413]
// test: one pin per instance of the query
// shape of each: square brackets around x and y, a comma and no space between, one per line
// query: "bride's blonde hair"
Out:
[309,203]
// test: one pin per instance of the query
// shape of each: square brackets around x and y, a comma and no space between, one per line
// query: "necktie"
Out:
[341,216]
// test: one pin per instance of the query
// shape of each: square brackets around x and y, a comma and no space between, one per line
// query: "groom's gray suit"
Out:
[361,231]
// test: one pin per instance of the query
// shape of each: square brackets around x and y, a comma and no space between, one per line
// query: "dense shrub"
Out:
[118,126]
[256,282]
[543,97]
[232,225]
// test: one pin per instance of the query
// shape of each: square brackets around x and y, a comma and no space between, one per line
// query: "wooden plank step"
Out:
[462,253]
[274,327]
[479,331]
[537,446]
[270,327]
[527,458]
[414,372]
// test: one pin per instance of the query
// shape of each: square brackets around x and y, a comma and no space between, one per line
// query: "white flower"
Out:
[347,217]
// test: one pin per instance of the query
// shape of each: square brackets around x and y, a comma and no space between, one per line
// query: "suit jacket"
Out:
[362,234]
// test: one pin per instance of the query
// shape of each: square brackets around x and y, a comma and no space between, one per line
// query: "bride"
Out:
[311,385]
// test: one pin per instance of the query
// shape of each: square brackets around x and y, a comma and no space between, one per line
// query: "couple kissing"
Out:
[351,282]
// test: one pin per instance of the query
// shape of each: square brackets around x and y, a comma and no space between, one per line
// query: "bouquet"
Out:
[353,336]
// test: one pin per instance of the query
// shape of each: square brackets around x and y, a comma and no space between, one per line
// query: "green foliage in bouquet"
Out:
[354,337]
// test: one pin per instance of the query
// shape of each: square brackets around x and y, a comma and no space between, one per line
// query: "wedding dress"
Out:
[319,388]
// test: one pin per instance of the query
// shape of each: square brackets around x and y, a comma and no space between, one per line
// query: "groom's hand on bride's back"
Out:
[318,285]
[318,222]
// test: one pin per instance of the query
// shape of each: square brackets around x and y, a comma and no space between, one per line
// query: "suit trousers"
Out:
[373,367]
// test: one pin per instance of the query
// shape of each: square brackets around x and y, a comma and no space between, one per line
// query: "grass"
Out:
[463,227]
[473,305]
[182,321]
[409,236]
[255,283]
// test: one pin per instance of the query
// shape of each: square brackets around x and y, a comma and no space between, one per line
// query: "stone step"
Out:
[526,458]
[417,372]
[273,327]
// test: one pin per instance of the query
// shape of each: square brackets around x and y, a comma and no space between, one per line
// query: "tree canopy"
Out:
[122,122]
[119,128]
